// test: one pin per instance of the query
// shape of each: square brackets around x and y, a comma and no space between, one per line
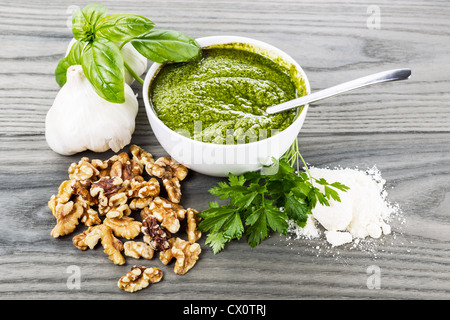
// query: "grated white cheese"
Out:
[363,210]
[338,238]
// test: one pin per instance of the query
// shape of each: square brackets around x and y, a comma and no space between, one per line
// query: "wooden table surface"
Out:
[402,128]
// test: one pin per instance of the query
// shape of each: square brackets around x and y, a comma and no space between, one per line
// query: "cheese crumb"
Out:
[338,238]
[363,211]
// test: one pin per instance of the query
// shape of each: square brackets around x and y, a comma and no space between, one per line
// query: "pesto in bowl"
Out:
[222,97]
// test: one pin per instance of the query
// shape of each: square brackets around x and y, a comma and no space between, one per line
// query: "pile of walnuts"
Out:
[103,194]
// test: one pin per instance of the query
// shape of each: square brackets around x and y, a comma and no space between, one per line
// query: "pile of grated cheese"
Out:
[363,211]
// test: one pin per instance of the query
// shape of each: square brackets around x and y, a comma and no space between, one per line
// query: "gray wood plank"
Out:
[402,128]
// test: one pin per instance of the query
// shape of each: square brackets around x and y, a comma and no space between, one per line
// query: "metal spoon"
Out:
[385,76]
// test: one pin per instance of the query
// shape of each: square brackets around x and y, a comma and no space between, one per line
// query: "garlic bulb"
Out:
[80,119]
[131,56]
[135,60]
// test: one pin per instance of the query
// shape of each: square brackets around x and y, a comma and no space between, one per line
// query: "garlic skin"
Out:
[135,60]
[131,56]
[80,119]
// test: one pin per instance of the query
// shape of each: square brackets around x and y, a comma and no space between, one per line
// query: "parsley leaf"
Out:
[223,223]
[296,210]
[261,202]
[216,241]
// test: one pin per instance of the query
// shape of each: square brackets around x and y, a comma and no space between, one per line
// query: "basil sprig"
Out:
[99,38]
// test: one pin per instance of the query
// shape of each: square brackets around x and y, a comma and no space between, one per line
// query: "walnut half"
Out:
[67,216]
[138,249]
[171,174]
[139,278]
[167,213]
[186,254]
[193,219]
[111,245]
[89,238]
[125,227]
[154,234]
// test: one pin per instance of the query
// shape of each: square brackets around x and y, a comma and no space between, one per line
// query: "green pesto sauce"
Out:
[228,90]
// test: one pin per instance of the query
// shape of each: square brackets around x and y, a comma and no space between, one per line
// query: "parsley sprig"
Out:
[261,202]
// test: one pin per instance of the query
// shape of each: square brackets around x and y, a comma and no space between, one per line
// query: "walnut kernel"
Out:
[193,219]
[166,212]
[138,249]
[139,278]
[171,174]
[67,216]
[184,252]
[154,234]
[111,245]
[125,227]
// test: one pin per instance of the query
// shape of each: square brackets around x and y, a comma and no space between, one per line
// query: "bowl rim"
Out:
[152,72]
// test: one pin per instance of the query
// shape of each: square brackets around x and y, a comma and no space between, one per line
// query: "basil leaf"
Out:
[122,27]
[166,46]
[84,21]
[103,66]
[72,58]
[61,71]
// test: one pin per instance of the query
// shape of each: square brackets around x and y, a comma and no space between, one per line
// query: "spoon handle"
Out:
[385,76]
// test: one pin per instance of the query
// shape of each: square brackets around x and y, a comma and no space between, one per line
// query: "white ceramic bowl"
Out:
[220,159]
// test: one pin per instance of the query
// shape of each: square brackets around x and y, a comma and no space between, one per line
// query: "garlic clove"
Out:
[135,60]
[80,119]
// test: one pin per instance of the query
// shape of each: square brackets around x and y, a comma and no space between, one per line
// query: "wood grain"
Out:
[402,128]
